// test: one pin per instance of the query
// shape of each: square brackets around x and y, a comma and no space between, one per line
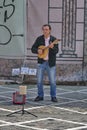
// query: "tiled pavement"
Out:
[70,113]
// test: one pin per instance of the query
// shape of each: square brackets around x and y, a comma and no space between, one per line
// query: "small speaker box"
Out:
[18,99]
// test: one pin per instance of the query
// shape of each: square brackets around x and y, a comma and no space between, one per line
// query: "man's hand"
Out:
[51,46]
[40,51]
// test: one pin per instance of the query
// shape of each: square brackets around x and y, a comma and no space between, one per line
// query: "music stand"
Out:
[23,111]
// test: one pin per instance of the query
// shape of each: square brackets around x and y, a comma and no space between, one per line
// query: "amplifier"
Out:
[18,99]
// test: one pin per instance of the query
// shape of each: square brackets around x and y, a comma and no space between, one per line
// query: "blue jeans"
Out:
[51,71]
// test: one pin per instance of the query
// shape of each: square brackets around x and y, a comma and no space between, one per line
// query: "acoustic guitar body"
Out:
[45,49]
[44,53]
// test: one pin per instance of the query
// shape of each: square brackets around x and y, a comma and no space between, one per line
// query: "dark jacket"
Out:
[52,51]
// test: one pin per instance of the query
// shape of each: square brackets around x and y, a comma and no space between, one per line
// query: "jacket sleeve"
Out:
[34,47]
[55,49]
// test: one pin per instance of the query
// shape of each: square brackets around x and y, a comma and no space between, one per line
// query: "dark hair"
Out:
[46,25]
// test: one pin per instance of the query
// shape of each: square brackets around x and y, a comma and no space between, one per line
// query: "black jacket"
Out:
[52,52]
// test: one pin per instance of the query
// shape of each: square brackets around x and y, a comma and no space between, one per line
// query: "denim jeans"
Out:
[51,71]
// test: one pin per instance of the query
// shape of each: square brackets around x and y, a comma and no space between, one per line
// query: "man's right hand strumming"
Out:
[40,51]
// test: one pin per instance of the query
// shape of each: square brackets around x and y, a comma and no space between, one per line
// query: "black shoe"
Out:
[54,99]
[38,98]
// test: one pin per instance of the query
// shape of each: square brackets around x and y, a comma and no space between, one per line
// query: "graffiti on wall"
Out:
[9,25]
[6,16]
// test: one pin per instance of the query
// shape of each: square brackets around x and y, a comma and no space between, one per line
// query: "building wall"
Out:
[68,19]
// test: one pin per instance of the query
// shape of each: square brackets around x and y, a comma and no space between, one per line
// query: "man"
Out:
[47,63]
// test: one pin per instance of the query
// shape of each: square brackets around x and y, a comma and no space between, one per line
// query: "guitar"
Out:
[45,49]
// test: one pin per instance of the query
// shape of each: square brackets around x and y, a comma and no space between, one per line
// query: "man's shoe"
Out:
[38,98]
[54,99]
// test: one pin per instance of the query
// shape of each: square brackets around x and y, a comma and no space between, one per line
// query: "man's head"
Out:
[46,28]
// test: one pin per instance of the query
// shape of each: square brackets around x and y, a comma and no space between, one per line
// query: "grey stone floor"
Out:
[69,113]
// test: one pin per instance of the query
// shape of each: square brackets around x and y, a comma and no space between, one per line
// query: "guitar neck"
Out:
[54,42]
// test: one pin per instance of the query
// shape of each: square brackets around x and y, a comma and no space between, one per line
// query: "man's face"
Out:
[46,31]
